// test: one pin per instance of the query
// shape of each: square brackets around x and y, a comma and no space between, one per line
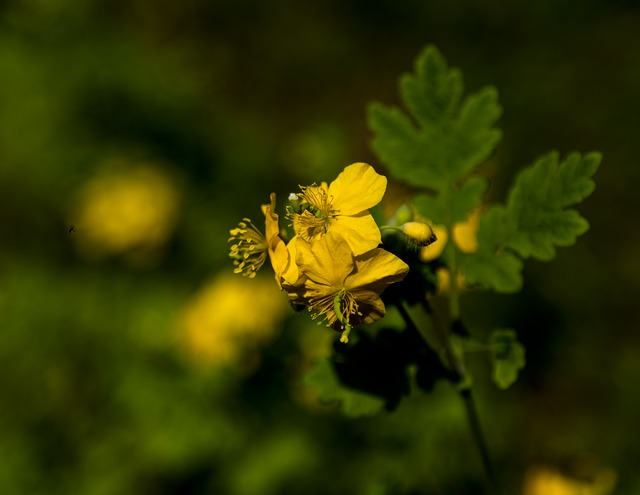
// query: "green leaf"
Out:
[464,200]
[501,272]
[323,378]
[492,267]
[444,138]
[537,202]
[507,356]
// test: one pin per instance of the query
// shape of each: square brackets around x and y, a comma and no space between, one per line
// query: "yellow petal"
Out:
[272,228]
[356,189]
[279,254]
[360,231]
[328,261]
[291,274]
[376,269]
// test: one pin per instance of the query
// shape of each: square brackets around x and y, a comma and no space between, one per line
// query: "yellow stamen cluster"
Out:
[315,212]
[335,309]
[250,249]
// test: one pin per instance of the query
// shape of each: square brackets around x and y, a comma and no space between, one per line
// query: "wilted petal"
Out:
[370,307]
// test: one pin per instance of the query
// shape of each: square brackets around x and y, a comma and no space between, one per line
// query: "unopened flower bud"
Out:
[419,233]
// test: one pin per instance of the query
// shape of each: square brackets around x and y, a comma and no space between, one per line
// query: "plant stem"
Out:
[466,394]
[464,389]
[479,440]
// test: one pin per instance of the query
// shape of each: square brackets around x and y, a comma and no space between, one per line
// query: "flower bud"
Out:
[419,233]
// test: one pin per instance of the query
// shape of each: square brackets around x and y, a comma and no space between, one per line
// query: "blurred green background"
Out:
[134,135]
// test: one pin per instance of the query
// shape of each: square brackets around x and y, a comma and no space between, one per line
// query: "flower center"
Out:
[336,308]
[250,249]
[312,212]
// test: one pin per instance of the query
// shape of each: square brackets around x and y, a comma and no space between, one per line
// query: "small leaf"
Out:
[507,356]
[537,202]
[354,403]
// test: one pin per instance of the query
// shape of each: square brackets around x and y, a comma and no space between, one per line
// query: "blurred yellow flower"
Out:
[229,319]
[444,280]
[127,211]
[343,288]
[342,207]
[549,481]
[464,236]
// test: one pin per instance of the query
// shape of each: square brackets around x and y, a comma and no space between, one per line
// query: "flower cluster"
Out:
[332,265]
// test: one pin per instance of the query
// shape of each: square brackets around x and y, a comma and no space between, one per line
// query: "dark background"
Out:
[207,107]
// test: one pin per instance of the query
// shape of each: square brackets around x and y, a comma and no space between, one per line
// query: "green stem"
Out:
[455,362]
[479,440]
[464,389]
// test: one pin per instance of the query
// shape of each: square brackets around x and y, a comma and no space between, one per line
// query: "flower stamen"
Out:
[250,249]
[311,212]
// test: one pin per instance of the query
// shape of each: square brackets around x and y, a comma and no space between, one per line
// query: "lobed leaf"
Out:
[447,138]
[537,202]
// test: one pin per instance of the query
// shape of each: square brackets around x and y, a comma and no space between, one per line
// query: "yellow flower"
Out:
[342,207]
[343,288]
[130,211]
[549,481]
[228,319]
[465,234]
